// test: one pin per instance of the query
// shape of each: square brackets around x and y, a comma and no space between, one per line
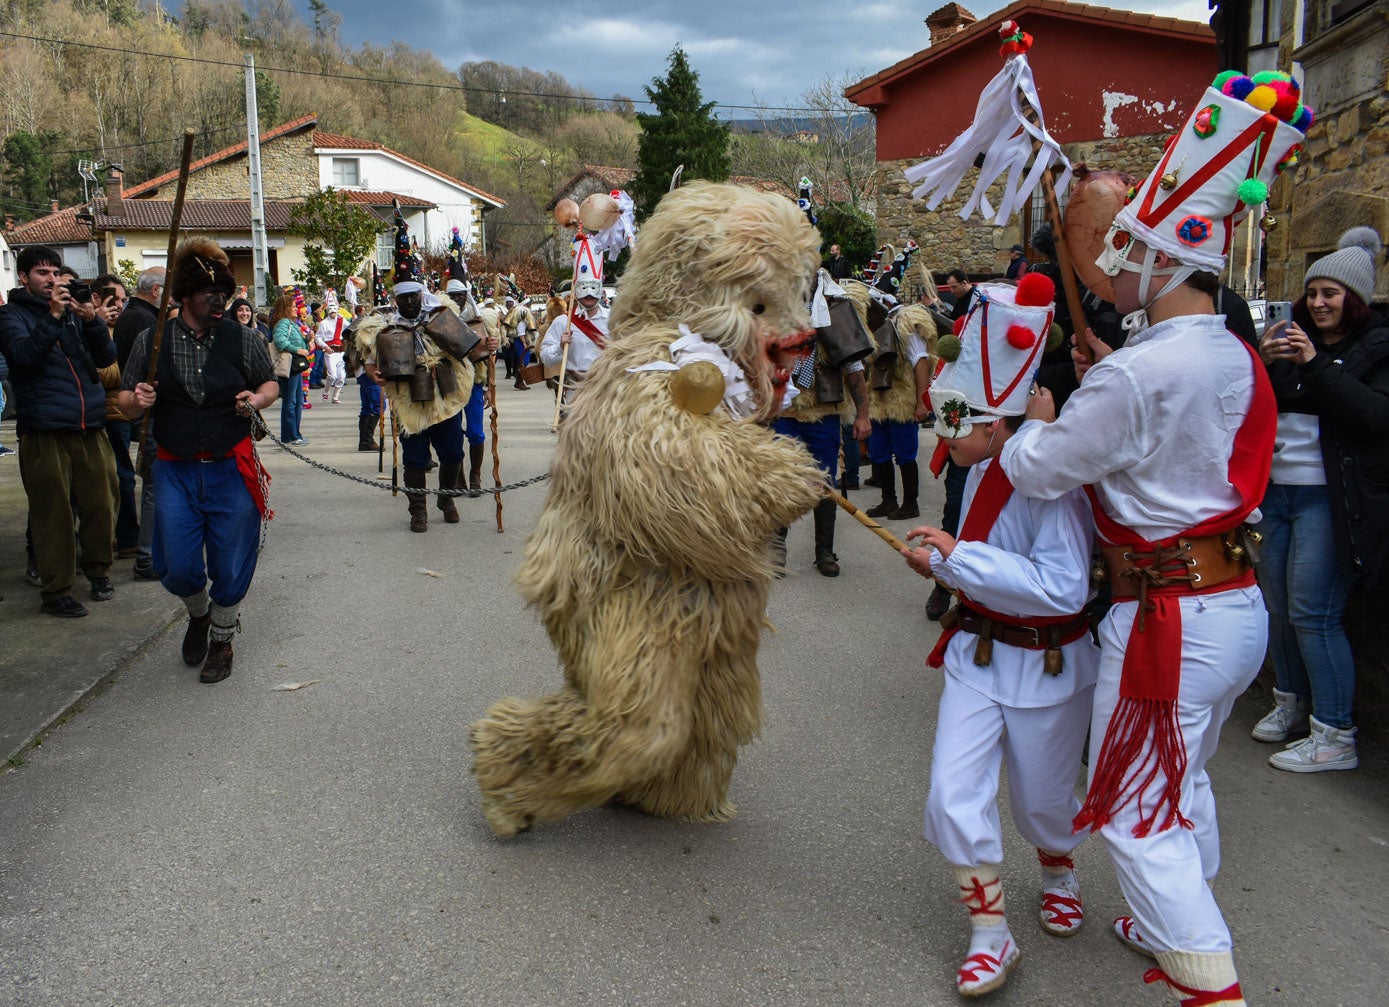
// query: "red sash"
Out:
[593,332]
[993,493]
[1152,669]
[335,344]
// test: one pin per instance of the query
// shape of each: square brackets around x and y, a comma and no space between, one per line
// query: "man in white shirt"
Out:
[586,337]
[328,338]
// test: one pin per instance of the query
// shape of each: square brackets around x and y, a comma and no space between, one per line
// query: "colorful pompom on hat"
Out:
[990,365]
[1244,132]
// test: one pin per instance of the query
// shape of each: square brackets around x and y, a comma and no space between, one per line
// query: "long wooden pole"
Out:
[1063,251]
[496,456]
[868,522]
[175,218]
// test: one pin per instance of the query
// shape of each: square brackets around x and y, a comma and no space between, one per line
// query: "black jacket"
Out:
[138,316]
[1347,386]
[53,366]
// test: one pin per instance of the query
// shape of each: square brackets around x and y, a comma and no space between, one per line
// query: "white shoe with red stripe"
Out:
[1062,913]
[1126,929]
[992,955]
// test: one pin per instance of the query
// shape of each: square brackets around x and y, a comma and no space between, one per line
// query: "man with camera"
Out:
[55,338]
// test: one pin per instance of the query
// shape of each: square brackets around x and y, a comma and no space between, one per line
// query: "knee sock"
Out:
[1058,871]
[1206,977]
[225,622]
[982,894]
[196,604]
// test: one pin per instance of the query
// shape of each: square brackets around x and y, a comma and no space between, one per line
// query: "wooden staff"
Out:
[157,340]
[569,323]
[381,434]
[1063,251]
[395,457]
[868,522]
[496,456]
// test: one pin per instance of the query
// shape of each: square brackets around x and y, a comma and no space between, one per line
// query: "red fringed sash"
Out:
[1152,669]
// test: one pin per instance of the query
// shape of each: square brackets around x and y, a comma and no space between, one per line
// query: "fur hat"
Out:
[1353,266]
[198,264]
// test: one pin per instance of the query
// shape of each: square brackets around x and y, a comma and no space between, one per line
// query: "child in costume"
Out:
[1020,666]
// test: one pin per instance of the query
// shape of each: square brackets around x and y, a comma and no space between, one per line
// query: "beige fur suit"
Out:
[650,566]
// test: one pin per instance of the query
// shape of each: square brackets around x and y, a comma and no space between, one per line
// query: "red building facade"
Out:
[1113,84]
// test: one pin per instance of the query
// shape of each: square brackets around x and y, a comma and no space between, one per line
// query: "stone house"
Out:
[1340,51]
[297,159]
[1114,85]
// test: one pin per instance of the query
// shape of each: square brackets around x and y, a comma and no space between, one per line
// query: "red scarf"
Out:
[593,332]
[1152,669]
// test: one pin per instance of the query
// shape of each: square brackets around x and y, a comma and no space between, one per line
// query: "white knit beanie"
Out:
[1353,266]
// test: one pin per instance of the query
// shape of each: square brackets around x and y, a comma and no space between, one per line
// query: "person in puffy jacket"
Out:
[54,345]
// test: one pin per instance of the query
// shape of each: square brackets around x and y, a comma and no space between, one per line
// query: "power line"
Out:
[378,80]
[147,143]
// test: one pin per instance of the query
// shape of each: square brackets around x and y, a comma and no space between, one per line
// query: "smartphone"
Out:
[1277,311]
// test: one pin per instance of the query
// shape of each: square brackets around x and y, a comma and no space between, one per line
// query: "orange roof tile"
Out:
[61,228]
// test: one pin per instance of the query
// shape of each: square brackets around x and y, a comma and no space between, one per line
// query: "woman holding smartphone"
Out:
[1326,513]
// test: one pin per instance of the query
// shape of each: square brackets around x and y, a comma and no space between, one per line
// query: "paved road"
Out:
[180,844]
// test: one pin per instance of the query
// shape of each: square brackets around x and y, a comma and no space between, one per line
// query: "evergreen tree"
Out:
[339,234]
[683,130]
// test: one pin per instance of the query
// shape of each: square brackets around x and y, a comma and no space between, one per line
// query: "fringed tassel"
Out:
[1133,722]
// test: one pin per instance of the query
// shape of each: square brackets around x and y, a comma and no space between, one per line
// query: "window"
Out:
[385,251]
[345,171]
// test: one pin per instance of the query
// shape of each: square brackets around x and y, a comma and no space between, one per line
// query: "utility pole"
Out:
[260,256]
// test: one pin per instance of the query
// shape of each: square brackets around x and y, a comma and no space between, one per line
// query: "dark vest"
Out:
[187,429]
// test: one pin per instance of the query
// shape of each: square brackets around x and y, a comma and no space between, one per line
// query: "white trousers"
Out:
[1164,875]
[334,370]
[1043,747]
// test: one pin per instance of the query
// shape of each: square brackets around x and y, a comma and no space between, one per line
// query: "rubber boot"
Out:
[476,453]
[886,480]
[366,427]
[449,473]
[911,489]
[419,508]
[825,559]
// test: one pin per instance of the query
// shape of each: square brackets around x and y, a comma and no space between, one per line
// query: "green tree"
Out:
[683,130]
[29,168]
[268,97]
[849,228]
[338,235]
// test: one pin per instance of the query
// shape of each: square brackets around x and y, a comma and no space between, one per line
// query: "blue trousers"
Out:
[955,478]
[891,439]
[206,528]
[1306,598]
[291,407]
[472,416]
[127,517]
[370,393]
[821,438]
[446,437]
[519,351]
[851,453]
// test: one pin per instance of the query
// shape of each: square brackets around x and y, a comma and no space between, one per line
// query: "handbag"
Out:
[290,365]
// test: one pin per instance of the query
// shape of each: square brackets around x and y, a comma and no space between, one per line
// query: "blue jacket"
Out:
[53,366]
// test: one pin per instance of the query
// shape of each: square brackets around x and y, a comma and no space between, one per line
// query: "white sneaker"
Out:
[1126,929]
[1327,748]
[992,955]
[1288,716]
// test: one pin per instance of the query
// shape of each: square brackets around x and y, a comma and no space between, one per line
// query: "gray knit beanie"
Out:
[1353,266]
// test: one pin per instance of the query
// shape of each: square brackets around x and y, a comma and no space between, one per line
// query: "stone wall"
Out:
[980,248]
[289,170]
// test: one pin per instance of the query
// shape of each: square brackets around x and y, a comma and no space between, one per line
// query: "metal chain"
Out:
[258,422]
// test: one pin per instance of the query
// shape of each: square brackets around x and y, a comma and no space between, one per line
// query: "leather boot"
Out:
[195,638]
[449,473]
[366,427]
[520,384]
[419,509]
[886,480]
[219,663]
[825,559]
[476,453]
[911,489]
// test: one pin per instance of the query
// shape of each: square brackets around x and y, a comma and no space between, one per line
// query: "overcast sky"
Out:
[745,51]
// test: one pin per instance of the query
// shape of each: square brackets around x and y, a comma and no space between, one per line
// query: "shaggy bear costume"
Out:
[651,563]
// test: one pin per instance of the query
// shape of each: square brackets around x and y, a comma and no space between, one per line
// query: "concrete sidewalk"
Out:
[48,666]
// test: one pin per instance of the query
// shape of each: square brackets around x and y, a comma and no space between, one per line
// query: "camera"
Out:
[80,292]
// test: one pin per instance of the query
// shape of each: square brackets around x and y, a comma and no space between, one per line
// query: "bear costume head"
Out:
[200,263]
[735,265]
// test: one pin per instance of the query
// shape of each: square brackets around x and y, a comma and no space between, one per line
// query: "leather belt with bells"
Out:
[1050,638]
